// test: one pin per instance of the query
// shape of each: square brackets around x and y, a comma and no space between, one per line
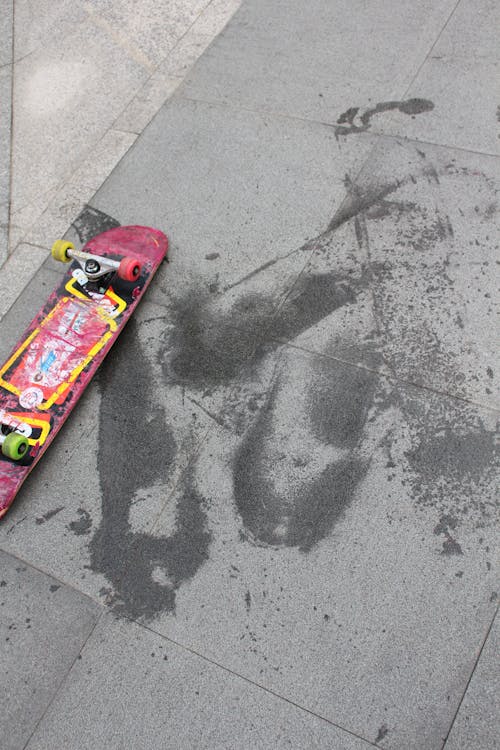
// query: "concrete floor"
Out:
[287,535]
[72,116]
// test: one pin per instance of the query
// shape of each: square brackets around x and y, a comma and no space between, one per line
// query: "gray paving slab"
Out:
[234,190]
[297,513]
[115,77]
[143,691]
[48,90]
[6,25]
[333,57]
[21,313]
[350,564]
[476,724]
[403,272]
[330,538]
[6,33]
[404,278]
[461,77]
[17,272]
[43,626]
[65,104]
[5,92]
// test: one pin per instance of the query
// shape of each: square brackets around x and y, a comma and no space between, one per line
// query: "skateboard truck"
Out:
[95,266]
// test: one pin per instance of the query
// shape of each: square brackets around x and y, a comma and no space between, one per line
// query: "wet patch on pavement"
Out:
[351,121]
[302,446]
[47,516]
[129,559]
[83,525]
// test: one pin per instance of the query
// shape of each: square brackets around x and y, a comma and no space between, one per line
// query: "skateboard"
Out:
[65,343]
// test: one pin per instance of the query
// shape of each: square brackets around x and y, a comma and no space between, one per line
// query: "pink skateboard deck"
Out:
[65,343]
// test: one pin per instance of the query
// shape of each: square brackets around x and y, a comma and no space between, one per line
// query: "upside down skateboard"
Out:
[66,342]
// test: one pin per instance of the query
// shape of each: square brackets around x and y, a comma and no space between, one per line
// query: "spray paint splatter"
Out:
[447,466]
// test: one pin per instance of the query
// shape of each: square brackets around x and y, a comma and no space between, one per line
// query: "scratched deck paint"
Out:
[63,346]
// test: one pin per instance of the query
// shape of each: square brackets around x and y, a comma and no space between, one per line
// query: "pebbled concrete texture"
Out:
[171,698]
[303,544]
[472,727]
[76,114]
[6,49]
[361,54]
[43,626]
[466,114]
[284,477]
[229,168]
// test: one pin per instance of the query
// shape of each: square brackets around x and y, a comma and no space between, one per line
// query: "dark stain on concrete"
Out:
[305,513]
[450,544]
[91,222]
[313,297]
[454,452]
[446,466]
[83,525]
[348,116]
[145,570]
[339,402]
[382,732]
[453,459]
[362,199]
[346,122]
[201,351]
[47,516]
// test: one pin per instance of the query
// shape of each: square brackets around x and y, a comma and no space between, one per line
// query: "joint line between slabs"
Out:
[389,376]
[469,680]
[63,680]
[374,134]
[249,681]
[431,48]
[39,569]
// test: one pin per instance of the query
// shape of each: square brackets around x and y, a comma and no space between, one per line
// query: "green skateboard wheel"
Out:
[15,446]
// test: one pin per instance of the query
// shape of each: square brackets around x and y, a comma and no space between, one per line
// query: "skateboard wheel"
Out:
[15,446]
[129,269]
[59,250]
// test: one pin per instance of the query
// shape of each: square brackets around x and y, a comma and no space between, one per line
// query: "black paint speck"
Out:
[450,545]
[47,516]
[382,732]
[83,525]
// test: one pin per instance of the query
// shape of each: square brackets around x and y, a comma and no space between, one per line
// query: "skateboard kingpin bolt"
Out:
[92,266]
